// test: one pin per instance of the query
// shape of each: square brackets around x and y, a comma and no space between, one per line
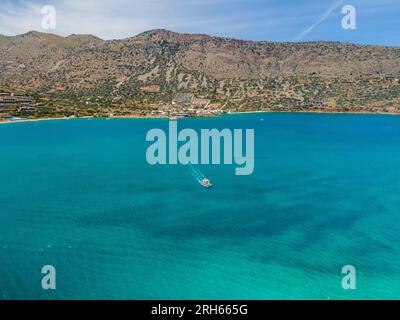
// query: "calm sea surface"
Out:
[79,195]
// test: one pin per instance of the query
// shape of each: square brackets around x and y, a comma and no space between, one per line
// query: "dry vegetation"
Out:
[84,75]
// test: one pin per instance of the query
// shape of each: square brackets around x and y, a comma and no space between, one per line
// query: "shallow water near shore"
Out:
[79,195]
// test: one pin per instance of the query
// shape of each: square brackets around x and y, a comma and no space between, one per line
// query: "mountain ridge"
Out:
[152,67]
[166,31]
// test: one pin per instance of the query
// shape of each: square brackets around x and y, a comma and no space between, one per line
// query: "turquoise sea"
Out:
[79,195]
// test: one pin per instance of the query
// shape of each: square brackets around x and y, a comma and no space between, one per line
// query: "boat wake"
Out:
[199,176]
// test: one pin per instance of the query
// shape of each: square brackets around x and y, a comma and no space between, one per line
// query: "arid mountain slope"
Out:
[245,75]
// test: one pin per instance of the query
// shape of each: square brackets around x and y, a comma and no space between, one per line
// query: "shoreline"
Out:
[320,112]
[211,116]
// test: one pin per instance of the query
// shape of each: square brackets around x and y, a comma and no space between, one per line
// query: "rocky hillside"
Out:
[152,67]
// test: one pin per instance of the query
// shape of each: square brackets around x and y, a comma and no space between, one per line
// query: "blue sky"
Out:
[378,21]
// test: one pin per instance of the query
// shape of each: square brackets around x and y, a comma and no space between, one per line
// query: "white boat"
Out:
[206,183]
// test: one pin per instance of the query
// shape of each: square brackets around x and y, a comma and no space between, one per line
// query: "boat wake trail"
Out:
[197,174]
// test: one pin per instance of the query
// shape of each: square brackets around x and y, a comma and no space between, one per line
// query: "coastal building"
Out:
[8,100]
[28,109]
[25,101]
[157,112]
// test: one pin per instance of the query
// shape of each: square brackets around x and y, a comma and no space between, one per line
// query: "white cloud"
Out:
[15,19]
[107,19]
[110,19]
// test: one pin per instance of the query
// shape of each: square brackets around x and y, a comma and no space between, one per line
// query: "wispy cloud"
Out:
[17,18]
[321,19]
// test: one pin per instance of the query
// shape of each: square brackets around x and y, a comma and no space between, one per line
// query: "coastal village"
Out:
[15,106]
[22,106]
[187,105]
